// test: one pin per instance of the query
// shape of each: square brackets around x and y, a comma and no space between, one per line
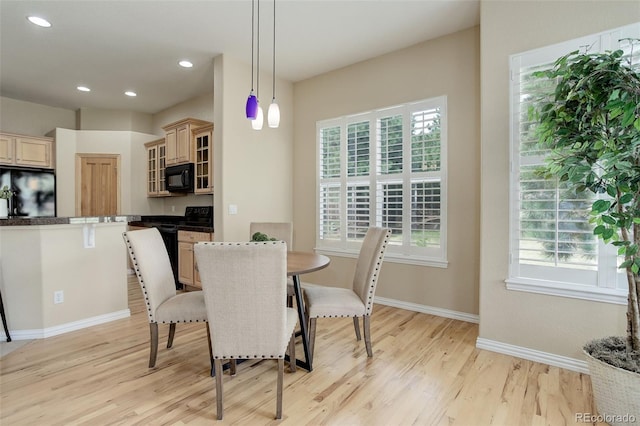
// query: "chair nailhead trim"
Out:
[337,316]
[140,278]
[248,356]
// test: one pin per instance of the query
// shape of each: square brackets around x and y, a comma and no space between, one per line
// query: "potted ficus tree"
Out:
[591,125]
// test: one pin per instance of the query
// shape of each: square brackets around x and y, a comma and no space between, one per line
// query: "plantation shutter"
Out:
[329,202]
[358,211]
[385,168]
[554,222]
[552,241]
[426,165]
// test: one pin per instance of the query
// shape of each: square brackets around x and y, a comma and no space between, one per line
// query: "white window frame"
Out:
[607,283]
[398,253]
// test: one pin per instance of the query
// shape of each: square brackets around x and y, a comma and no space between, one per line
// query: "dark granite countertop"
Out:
[30,221]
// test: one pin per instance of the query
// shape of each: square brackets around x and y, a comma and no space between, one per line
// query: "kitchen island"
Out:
[62,274]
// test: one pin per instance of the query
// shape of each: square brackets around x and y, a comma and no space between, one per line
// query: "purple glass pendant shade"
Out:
[252,106]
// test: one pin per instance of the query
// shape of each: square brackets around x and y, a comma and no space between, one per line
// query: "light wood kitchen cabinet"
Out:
[27,151]
[179,142]
[203,164]
[156,163]
[187,271]
[6,149]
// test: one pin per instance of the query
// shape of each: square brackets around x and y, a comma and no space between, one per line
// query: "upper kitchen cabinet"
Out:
[156,163]
[203,145]
[6,149]
[179,142]
[26,151]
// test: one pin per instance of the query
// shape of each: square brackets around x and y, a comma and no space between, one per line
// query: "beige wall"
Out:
[109,119]
[21,278]
[544,323]
[128,145]
[200,107]
[445,66]
[27,118]
[39,260]
[253,169]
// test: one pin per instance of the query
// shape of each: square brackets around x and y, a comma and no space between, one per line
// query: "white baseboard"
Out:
[533,355]
[65,328]
[446,313]
[491,345]
[415,307]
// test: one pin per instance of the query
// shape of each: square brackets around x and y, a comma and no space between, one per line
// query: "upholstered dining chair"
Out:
[244,286]
[332,302]
[164,305]
[282,231]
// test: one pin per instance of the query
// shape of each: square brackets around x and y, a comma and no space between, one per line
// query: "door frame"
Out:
[78,178]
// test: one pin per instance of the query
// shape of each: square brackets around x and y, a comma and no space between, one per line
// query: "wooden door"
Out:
[98,185]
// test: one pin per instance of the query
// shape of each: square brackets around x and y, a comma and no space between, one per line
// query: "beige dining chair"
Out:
[244,286]
[336,302]
[282,231]
[164,305]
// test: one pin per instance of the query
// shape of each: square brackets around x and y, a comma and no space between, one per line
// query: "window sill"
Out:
[388,257]
[574,291]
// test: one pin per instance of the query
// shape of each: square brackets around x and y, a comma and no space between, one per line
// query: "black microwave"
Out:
[179,178]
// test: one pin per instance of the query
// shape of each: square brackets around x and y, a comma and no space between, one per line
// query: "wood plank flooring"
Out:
[425,371]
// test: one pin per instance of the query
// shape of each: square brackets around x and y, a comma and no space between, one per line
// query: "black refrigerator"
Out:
[34,191]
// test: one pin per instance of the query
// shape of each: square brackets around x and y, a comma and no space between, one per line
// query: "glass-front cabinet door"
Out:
[152,171]
[156,163]
[162,165]
[203,139]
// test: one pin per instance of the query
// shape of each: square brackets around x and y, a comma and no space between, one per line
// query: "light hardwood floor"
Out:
[425,371]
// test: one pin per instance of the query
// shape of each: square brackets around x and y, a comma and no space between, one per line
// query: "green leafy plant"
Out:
[259,236]
[5,193]
[592,129]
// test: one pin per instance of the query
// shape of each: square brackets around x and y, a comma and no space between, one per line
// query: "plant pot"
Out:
[616,392]
[4,208]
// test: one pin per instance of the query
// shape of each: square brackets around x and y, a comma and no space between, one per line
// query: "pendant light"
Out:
[273,116]
[251,108]
[257,123]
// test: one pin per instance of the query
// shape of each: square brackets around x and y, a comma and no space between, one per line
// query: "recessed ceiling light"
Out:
[41,22]
[130,93]
[83,89]
[185,64]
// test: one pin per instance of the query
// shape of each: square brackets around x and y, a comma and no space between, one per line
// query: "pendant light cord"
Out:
[258,57]
[253,20]
[274,50]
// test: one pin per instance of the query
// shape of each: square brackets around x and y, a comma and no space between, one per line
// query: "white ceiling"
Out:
[113,46]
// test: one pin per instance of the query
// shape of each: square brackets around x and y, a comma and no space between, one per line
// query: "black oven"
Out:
[179,178]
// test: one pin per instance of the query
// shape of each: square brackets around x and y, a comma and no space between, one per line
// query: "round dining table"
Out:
[298,263]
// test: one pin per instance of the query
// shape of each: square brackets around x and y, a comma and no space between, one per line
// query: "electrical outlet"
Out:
[58,296]
[173,208]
